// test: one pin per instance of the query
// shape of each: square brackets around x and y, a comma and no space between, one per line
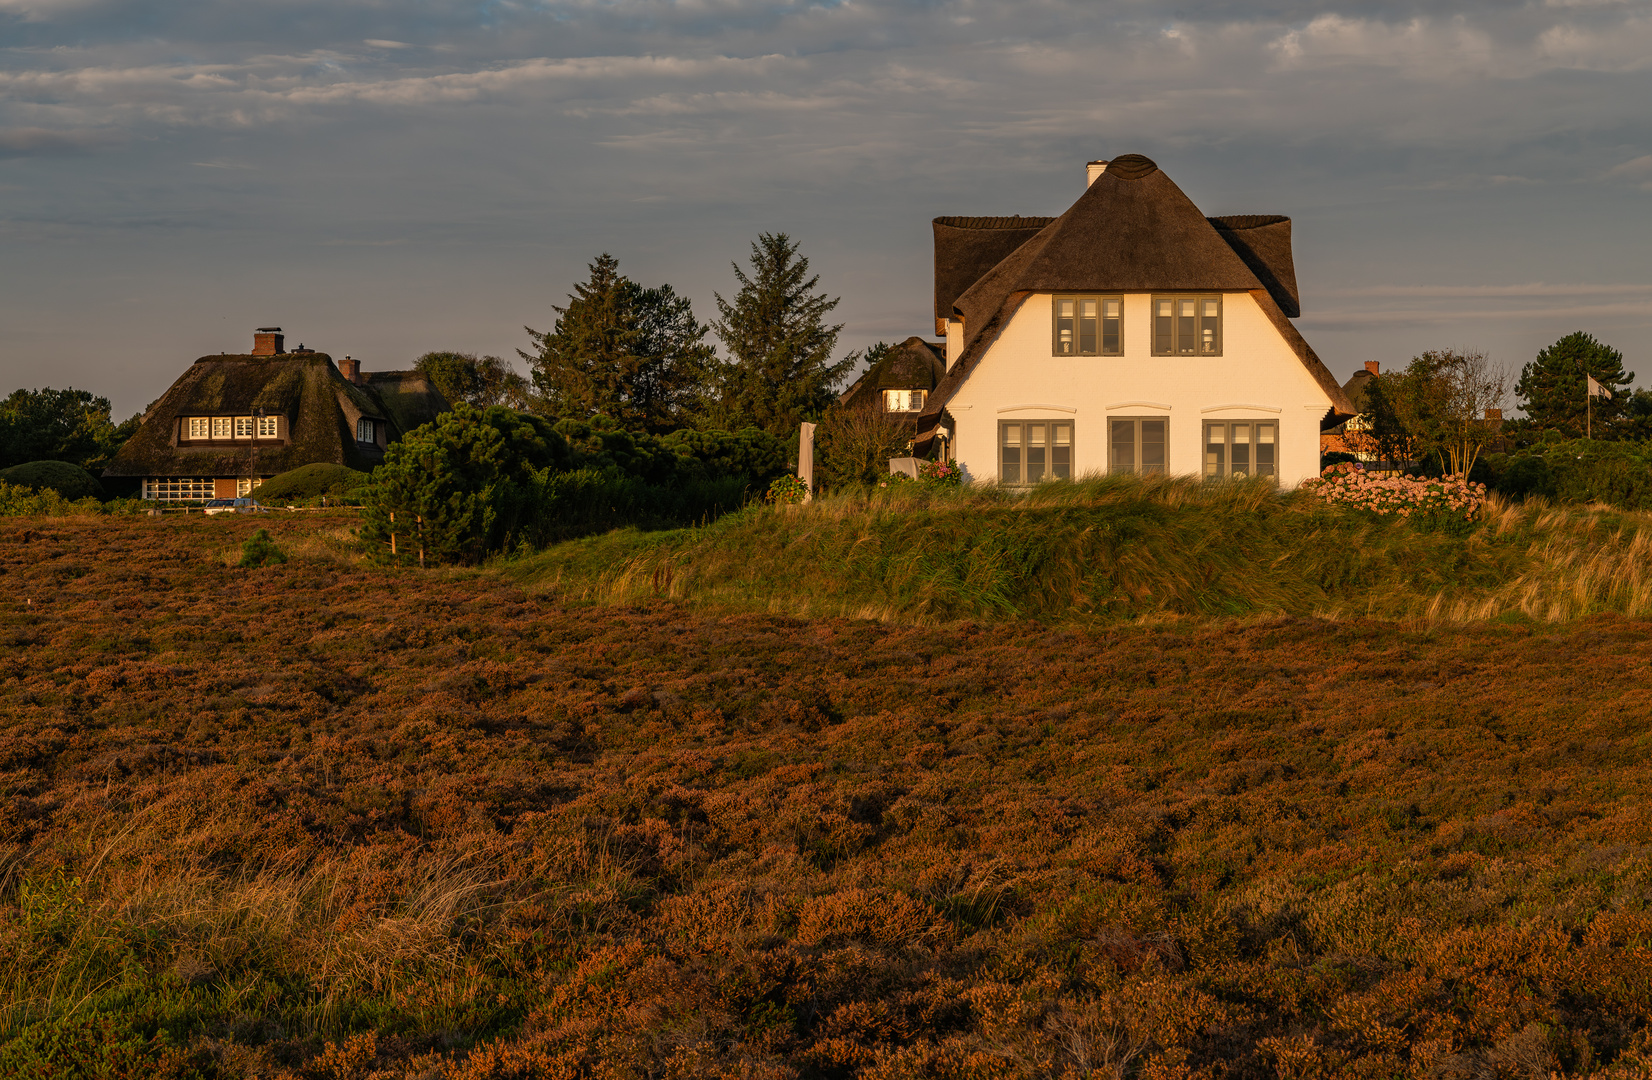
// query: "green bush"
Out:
[260,550]
[787,491]
[19,501]
[70,481]
[1577,471]
[315,481]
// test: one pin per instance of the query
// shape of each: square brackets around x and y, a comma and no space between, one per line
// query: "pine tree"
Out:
[1552,387]
[779,370]
[620,350]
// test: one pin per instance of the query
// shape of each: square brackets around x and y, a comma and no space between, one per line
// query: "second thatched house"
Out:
[235,419]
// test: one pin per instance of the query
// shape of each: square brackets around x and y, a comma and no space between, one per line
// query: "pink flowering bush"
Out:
[1452,497]
[941,473]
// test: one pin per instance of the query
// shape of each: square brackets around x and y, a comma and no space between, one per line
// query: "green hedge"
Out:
[70,481]
[308,482]
[1575,471]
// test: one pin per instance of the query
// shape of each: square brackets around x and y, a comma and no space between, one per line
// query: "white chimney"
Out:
[1093,170]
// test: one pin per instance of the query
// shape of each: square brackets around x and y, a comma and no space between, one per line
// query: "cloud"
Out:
[1536,288]
[40,142]
[1637,171]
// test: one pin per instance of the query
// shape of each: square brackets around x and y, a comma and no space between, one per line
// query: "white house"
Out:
[1130,334]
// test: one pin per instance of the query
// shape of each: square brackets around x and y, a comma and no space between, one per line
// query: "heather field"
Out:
[323,820]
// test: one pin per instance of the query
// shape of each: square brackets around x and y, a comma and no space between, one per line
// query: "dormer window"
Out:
[243,427]
[904,400]
[367,431]
[1187,326]
[222,427]
[266,427]
[1089,326]
[200,427]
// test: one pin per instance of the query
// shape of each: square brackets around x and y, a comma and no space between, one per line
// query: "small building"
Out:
[901,380]
[1130,334]
[233,420]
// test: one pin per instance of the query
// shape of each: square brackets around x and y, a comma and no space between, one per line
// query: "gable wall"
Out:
[1257,368]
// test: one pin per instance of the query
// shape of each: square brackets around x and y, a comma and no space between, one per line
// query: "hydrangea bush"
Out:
[1404,496]
[941,473]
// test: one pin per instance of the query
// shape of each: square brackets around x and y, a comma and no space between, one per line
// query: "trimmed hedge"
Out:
[70,481]
[312,482]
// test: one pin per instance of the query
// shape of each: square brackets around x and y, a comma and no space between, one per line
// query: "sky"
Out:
[384,178]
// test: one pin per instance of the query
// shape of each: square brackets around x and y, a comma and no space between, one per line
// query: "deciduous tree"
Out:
[60,425]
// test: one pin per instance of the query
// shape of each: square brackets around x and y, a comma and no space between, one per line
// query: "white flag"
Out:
[1597,390]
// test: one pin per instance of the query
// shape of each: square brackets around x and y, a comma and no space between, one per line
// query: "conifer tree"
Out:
[620,350]
[1552,387]
[779,369]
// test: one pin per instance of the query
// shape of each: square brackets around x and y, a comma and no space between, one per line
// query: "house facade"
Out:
[231,421]
[1130,334]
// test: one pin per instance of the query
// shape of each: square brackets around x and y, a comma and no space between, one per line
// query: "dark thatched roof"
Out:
[1358,384]
[306,388]
[914,364]
[967,247]
[1264,242]
[1133,230]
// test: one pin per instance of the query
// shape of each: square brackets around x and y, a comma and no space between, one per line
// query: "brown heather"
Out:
[318,820]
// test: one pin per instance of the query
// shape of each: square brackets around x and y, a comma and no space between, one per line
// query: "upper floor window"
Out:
[1089,326]
[366,431]
[1187,326]
[221,428]
[903,400]
[243,427]
[199,427]
[266,427]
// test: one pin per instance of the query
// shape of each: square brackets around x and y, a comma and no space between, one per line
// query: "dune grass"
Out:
[1110,548]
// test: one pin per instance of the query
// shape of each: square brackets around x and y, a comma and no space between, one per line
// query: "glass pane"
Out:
[1123,439]
[1087,328]
[1264,450]
[1239,455]
[1162,334]
[1184,327]
[1010,471]
[1036,451]
[220,427]
[1215,450]
[1064,327]
[1210,328]
[243,427]
[1152,446]
[916,399]
[1061,450]
[1111,324]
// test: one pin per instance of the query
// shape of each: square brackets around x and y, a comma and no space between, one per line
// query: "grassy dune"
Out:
[320,821]
[1118,547]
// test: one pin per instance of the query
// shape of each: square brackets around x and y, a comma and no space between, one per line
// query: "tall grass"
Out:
[1119,547]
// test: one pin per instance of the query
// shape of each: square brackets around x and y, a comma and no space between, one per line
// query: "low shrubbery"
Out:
[1575,471]
[70,481]
[1450,497]
[314,482]
[478,481]
[19,501]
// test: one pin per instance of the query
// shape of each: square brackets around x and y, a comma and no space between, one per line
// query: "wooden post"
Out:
[392,534]
[420,519]
[806,460]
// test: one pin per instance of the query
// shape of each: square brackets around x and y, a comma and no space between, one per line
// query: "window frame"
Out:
[1176,317]
[918,407]
[1225,469]
[368,427]
[198,427]
[223,428]
[1138,467]
[268,428]
[1102,299]
[1049,447]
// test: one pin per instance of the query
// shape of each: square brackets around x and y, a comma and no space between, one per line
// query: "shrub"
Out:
[941,473]
[1577,471]
[70,481]
[314,481]
[19,501]
[1405,496]
[260,550]
[854,445]
[787,490]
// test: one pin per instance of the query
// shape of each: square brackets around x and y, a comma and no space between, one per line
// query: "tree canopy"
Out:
[618,349]
[60,425]
[779,368]
[479,381]
[1552,388]
[1437,405]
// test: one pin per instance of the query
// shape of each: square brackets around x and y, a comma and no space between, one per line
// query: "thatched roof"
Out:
[914,364]
[967,247]
[304,387]
[1133,230]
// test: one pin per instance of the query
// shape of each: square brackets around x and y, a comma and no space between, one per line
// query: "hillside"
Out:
[323,821]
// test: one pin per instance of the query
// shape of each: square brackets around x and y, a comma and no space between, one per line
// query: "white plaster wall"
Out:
[1257,377]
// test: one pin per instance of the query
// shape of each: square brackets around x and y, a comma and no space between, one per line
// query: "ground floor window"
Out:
[1033,450]
[1136,444]
[1241,448]
[178,489]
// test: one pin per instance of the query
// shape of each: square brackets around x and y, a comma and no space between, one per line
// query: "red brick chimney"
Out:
[1371,366]
[350,368]
[268,341]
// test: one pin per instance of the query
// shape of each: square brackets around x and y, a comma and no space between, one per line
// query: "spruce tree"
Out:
[1552,387]
[779,369]
[620,350]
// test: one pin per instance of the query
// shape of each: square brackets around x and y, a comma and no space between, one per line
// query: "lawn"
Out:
[323,820]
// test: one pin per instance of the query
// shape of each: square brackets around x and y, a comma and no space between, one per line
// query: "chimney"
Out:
[267,341]
[1373,367]
[350,368]
[1093,170]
